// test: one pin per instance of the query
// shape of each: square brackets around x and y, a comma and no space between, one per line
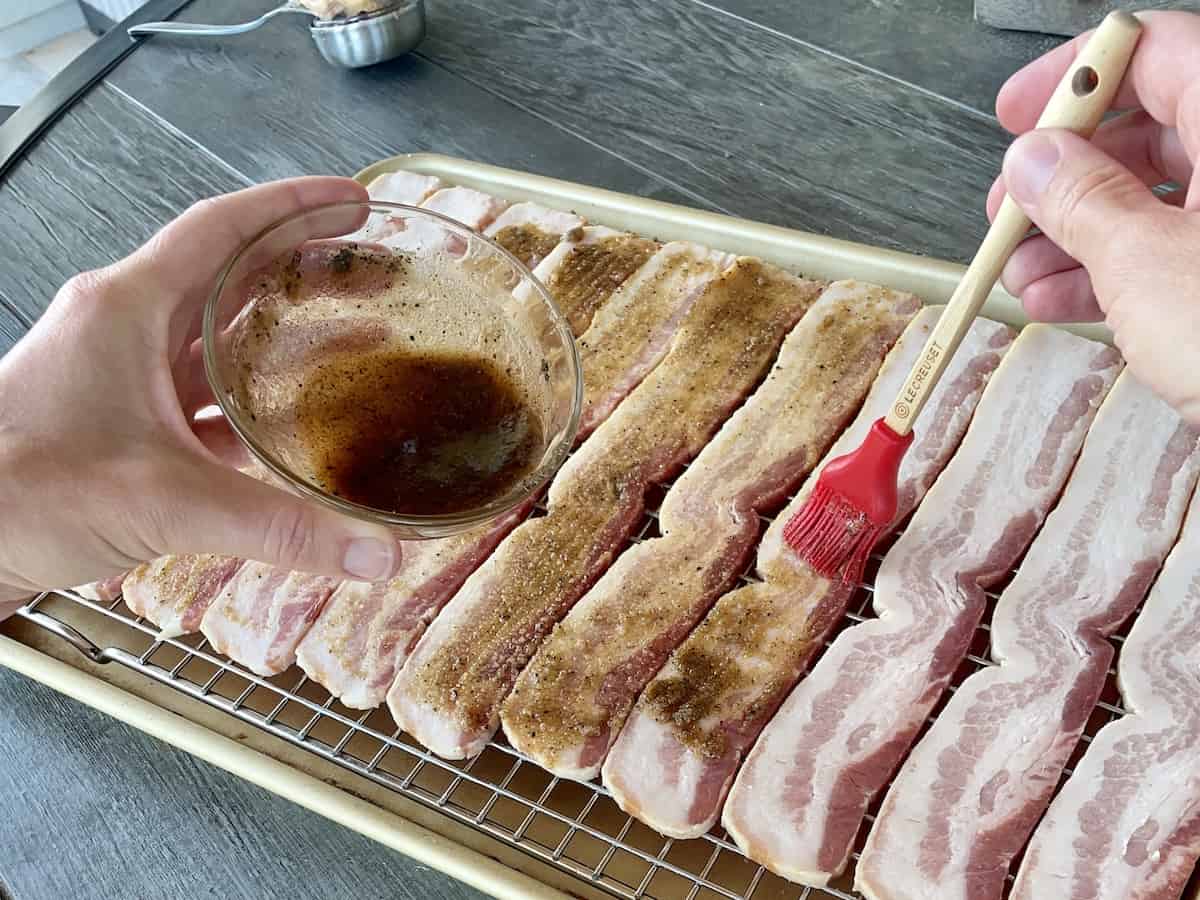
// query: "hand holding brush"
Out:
[854,500]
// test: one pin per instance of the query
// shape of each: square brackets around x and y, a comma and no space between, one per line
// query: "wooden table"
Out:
[865,120]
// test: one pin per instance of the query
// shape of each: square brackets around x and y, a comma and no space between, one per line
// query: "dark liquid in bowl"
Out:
[421,434]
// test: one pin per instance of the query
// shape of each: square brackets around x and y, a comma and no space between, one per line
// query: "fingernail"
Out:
[1029,165]
[368,559]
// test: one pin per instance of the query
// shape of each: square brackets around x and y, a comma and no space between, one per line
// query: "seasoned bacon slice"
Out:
[968,796]
[680,748]
[174,592]
[449,693]
[799,800]
[530,232]
[586,266]
[652,304]
[1126,825]
[366,632]
[570,702]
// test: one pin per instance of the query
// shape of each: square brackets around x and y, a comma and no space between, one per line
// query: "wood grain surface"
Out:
[281,111]
[1067,17]
[867,119]
[13,324]
[931,44]
[806,139]
[95,188]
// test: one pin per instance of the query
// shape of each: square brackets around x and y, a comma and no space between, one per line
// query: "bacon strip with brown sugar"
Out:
[650,306]
[366,632]
[448,695]
[798,802]
[680,748]
[571,700]
[1126,825]
[174,592]
[971,791]
[531,232]
[586,266]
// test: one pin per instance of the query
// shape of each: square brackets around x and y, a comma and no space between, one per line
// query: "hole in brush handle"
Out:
[1085,81]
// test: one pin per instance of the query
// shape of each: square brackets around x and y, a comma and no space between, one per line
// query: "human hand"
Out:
[1110,249]
[103,464]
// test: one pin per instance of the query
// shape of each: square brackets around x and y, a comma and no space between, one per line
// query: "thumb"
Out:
[1081,198]
[213,509]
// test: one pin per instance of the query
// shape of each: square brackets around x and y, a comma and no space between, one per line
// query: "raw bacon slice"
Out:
[448,695]
[586,266]
[1126,825]
[409,188]
[174,592]
[679,749]
[570,702]
[472,208]
[469,207]
[966,799]
[797,804]
[261,614]
[366,632]
[530,232]
[104,591]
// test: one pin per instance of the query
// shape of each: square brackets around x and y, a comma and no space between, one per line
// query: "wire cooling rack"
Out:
[575,827]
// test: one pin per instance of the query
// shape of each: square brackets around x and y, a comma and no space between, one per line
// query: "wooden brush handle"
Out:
[1079,102]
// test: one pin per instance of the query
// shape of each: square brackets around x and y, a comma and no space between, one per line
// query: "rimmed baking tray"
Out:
[498,822]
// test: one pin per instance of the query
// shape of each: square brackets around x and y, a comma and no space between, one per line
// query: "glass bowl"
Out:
[368,278]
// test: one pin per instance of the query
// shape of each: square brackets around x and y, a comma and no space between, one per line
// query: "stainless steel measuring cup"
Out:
[351,42]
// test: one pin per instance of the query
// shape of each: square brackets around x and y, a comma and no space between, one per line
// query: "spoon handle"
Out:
[191,28]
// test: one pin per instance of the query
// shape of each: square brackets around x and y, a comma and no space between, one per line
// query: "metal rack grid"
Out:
[575,827]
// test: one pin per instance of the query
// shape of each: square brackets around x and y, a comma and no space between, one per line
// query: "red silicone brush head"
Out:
[851,506]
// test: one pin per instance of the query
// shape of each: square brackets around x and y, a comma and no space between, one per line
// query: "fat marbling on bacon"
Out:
[366,631]
[570,702]
[1126,825]
[448,694]
[968,796]
[680,748]
[106,590]
[472,208]
[799,800]
[261,614]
